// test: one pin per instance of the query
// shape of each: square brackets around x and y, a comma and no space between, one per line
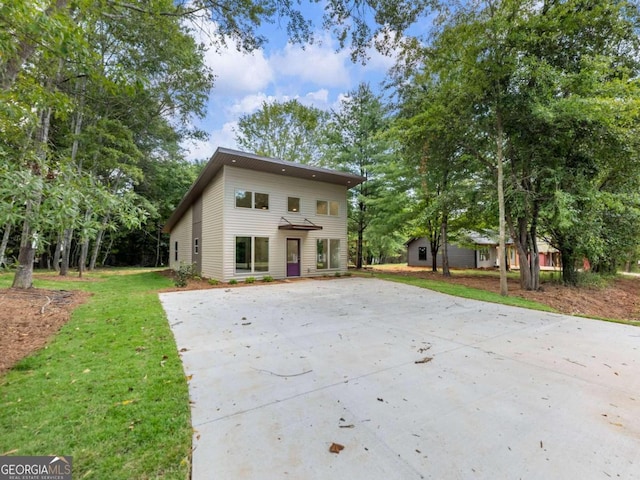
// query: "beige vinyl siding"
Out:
[264,223]
[212,218]
[181,233]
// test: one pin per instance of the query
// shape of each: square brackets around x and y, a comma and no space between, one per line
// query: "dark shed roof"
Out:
[250,161]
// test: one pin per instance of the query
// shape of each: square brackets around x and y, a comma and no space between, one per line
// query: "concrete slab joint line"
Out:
[279,374]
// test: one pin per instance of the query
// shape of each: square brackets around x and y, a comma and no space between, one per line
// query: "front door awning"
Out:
[305,225]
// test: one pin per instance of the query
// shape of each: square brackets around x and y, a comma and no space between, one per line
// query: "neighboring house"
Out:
[252,216]
[477,251]
[419,255]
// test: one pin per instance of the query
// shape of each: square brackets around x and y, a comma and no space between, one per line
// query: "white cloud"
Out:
[224,137]
[318,64]
[235,71]
[318,97]
[198,149]
[203,149]
[250,103]
[238,72]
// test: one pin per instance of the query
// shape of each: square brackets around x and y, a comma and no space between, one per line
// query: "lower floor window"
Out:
[252,254]
[327,253]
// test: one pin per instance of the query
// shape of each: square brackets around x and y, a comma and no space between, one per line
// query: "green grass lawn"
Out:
[463,291]
[109,389]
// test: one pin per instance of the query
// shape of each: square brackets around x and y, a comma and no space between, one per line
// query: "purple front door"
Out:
[293,257]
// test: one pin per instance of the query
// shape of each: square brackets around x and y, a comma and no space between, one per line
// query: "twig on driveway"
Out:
[280,375]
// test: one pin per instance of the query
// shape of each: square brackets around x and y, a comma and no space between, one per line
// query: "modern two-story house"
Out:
[252,216]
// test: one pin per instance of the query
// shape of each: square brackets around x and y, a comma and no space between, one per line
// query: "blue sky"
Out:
[317,75]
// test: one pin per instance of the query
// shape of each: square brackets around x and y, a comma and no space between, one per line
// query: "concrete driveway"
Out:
[414,384]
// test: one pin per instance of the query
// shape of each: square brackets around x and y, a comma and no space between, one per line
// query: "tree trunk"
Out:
[106,252]
[67,238]
[434,244]
[24,273]
[84,253]
[28,242]
[504,289]
[360,244]
[98,242]
[159,230]
[5,242]
[445,250]
[96,249]
[57,254]
[569,271]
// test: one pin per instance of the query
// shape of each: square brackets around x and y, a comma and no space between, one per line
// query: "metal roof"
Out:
[234,158]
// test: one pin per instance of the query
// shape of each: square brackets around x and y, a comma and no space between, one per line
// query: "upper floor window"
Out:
[261,201]
[243,198]
[324,207]
[293,204]
[249,199]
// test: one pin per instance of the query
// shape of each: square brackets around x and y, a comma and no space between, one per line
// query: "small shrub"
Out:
[250,280]
[337,274]
[267,278]
[213,281]
[185,272]
[594,280]
[233,281]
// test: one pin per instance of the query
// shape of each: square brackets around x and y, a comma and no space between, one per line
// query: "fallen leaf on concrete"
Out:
[348,426]
[380,399]
[336,448]
[424,360]
[245,324]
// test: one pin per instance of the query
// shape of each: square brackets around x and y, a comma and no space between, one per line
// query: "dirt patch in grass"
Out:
[28,319]
[618,301]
